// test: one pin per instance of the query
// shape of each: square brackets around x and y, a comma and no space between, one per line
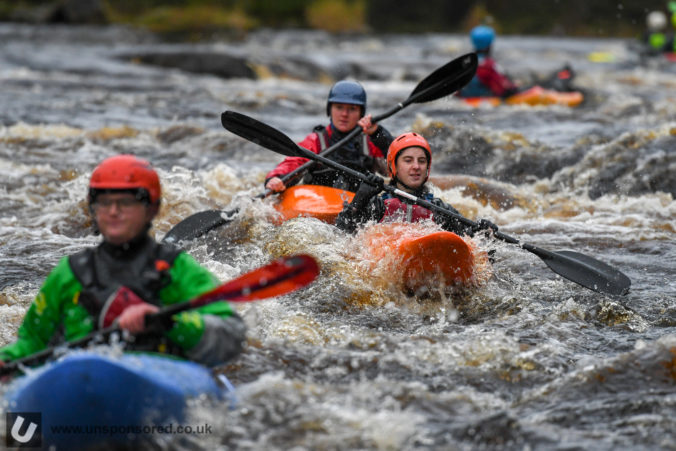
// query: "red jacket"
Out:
[311,142]
[499,84]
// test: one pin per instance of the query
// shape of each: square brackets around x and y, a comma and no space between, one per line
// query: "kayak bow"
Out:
[88,400]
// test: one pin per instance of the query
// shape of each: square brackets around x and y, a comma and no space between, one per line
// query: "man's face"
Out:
[121,216]
[345,116]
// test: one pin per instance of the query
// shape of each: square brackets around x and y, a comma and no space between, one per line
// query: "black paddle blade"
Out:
[444,81]
[260,133]
[194,226]
[587,271]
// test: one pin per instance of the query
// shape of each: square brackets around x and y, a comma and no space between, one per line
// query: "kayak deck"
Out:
[320,202]
[415,257]
[88,399]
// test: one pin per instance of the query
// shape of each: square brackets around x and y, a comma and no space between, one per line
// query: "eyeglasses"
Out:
[122,203]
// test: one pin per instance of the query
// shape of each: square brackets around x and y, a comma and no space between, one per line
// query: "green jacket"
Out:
[55,311]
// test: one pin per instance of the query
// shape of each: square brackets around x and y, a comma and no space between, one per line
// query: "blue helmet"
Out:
[346,91]
[482,37]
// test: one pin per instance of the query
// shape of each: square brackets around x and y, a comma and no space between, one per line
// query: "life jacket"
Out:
[343,155]
[396,210]
[357,157]
[657,41]
[143,268]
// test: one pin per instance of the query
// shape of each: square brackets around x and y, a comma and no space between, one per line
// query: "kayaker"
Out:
[409,160]
[346,108]
[670,46]
[131,275]
[489,81]
[655,39]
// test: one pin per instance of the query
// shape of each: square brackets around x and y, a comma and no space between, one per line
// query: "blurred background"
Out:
[201,19]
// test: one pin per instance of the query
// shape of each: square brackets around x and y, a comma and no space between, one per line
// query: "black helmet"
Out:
[346,91]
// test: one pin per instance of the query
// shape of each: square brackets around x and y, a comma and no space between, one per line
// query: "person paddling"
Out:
[128,276]
[409,160]
[346,107]
[489,81]
[655,39]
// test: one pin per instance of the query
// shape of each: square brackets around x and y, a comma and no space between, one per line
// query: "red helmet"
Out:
[125,172]
[402,142]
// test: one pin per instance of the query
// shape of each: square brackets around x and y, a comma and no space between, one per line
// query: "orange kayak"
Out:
[417,256]
[411,256]
[533,96]
[540,96]
[478,101]
[321,202]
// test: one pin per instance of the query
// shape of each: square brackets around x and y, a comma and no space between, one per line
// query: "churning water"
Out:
[527,360]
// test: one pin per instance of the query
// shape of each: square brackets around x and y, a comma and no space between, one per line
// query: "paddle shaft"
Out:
[291,177]
[286,274]
[214,219]
[579,268]
[442,82]
[415,96]
[41,356]
[417,200]
[499,235]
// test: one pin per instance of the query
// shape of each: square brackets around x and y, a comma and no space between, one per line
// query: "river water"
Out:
[526,360]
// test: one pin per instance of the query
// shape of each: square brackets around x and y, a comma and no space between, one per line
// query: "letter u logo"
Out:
[26,436]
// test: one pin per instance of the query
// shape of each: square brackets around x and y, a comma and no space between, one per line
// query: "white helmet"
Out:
[656,21]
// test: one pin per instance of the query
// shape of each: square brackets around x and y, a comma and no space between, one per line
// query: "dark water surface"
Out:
[525,361]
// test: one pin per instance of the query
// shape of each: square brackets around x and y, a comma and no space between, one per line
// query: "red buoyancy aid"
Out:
[398,210]
[487,72]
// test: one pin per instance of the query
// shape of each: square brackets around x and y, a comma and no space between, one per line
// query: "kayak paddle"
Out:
[280,277]
[579,268]
[442,82]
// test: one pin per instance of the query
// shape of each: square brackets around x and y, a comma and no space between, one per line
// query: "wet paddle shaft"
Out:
[274,279]
[579,268]
[442,82]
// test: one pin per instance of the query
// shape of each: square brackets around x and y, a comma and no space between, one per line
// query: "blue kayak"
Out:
[91,399]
